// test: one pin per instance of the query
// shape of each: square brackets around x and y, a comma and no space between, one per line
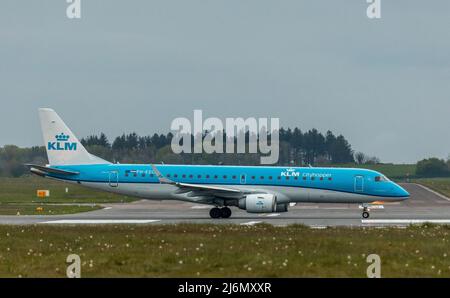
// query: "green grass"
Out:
[47,209]
[190,250]
[393,171]
[441,185]
[19,195]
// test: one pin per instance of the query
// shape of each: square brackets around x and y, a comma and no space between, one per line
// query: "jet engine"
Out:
[262,203]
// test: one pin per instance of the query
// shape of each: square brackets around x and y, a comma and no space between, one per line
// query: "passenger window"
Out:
[312,178]
[270,177]
[207,176]
[224,176]
[287,178]
[262,177]
[184,175]
[234,176]
[190,176]
[253,177]
[175,175]
[199,176]
[215,176]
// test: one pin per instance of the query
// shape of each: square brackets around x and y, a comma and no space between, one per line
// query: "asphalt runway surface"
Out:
[424,205]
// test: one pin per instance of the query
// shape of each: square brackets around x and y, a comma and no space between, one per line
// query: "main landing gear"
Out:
[216,212]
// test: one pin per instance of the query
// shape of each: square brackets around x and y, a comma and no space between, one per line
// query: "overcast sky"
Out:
[136,65]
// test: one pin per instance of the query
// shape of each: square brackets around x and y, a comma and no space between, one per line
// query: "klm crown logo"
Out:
[62,137]
[62,143]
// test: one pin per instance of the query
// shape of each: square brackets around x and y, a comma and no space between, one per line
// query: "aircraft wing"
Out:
[201,189]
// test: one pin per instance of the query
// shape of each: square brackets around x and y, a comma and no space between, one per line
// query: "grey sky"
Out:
[135,65]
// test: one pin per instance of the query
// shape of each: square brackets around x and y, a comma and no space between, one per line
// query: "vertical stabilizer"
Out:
[63,147]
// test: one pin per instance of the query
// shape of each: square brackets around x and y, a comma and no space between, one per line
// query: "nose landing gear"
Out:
[365,213]
[216,212]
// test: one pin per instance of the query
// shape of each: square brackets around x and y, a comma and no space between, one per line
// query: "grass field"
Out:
[393,171]
[19,195]
[223,251]
[45,209]
[441,185]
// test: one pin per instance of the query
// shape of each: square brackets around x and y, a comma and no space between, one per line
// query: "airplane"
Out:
[256,189]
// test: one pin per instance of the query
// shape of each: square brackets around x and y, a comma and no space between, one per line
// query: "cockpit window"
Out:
[381,178]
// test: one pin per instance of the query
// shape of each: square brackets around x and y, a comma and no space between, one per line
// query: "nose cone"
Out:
[401,192]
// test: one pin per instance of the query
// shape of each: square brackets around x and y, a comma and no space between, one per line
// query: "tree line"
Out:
[433,167]
[297,148]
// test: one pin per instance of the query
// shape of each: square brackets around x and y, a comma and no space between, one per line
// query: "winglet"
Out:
[161,178]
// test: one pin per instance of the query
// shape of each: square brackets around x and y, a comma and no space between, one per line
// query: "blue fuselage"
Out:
[346,185]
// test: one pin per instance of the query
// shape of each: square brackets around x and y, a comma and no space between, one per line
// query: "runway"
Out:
[424,205]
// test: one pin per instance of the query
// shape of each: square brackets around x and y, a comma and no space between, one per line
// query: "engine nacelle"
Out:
[262,203]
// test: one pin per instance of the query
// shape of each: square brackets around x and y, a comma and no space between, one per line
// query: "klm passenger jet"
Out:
[256,189]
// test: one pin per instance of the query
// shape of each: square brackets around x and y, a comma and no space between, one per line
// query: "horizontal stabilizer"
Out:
[48,170]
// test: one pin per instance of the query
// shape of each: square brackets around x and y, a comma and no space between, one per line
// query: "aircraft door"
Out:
[243,179]
[113,179]
[359,183]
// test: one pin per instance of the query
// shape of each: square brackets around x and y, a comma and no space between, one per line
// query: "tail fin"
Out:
[63,147]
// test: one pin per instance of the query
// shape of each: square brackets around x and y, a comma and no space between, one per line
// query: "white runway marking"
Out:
[250,223]
[404,221]
[269,214]
[372,207]
[433,192]
[101,221]
[200,207]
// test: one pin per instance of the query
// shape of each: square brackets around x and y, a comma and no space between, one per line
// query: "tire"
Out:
[215,212]
[225,212]
[365,214]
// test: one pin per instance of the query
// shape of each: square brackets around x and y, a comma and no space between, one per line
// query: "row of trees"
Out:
[13,158]
[297,148]
[433,167]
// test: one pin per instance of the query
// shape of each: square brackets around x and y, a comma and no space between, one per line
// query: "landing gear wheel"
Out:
[365,214]
[215,212]
[225,212]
